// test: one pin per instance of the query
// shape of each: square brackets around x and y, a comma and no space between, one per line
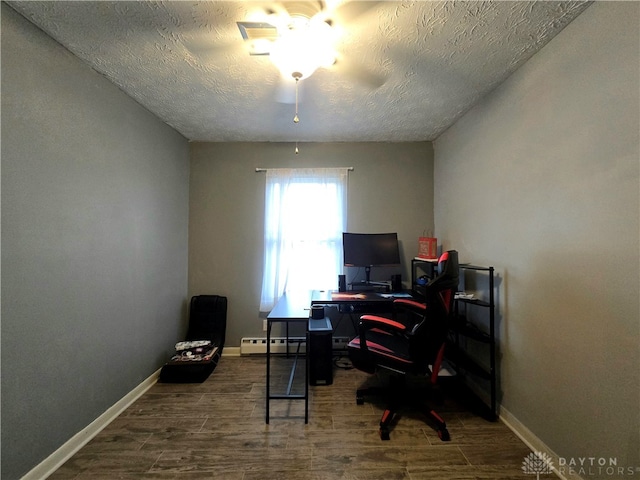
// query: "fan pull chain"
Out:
[296,75]
[296,119]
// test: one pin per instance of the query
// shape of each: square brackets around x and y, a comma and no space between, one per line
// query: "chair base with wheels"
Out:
[396,395]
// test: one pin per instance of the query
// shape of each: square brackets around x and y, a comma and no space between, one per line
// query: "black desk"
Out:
[356,303]
[295,308]
[291,308]
[356,299]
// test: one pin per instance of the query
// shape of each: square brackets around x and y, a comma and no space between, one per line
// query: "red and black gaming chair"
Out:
[412,343]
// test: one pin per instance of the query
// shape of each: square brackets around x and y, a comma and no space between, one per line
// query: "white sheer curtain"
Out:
[305,215]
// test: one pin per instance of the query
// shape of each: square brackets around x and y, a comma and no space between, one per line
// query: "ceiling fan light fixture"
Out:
[303,48]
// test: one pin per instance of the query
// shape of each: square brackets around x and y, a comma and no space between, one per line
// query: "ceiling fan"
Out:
[300,37]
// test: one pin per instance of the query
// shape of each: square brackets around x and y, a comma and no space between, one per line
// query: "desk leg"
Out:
[354,322]
[268,368]
[288,394]
[306,379]
[286,338]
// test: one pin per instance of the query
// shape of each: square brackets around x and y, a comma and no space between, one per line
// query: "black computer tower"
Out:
[320,352]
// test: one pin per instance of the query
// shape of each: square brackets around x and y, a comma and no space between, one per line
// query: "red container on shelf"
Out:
[428,248]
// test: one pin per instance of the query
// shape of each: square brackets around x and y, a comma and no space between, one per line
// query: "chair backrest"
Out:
[429,335]
[208,319]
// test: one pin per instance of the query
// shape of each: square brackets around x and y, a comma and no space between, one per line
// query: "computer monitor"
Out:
[370,250]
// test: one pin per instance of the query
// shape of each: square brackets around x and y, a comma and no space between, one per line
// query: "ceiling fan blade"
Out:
[305,9]
[286,90]
[357,72]
[203,47]
[349,11]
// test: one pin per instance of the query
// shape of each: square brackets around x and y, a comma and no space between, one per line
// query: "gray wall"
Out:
[391,189]
[94,244]
[541,180]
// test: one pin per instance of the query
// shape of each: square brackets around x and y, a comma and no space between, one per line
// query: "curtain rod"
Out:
[261,169]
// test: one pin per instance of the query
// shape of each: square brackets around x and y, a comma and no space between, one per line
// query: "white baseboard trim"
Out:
[534,443]
[80,439]
[231,352]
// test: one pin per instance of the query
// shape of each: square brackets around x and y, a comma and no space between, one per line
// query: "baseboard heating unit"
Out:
[258,345]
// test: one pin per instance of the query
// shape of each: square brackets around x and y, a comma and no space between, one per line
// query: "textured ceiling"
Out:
[406,70]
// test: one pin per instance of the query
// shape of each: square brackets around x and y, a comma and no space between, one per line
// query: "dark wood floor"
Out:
[217,430]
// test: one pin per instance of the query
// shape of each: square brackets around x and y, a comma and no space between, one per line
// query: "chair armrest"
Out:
[367,322]
[409,312]
[411,304]
[374,322]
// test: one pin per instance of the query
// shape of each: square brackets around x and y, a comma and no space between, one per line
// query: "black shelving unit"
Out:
[421,268]
[464,329]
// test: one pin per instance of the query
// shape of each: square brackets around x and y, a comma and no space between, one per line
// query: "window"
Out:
[305,215]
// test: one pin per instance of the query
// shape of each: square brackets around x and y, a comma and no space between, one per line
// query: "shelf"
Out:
[467,363]
[464,328]
[421,267]
[473,301]
[472,332]
[468,266]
